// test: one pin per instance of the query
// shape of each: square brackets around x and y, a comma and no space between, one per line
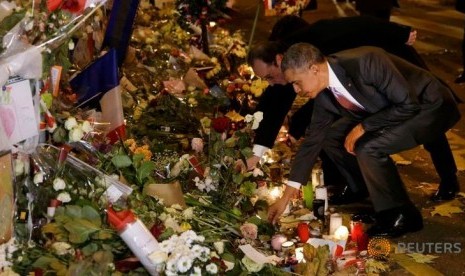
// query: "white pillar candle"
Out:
[322,193]
[334,222]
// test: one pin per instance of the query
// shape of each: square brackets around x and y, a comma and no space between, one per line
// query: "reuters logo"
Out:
[379,247]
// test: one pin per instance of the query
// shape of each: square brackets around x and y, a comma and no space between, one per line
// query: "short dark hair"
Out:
[301,55]
[266,52]
[285,26]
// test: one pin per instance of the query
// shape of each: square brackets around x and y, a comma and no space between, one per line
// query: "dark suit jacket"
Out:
[392,91]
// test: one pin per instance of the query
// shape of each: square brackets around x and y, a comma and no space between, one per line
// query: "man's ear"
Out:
[278,59]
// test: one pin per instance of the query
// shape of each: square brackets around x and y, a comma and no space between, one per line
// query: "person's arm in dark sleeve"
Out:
[275,103]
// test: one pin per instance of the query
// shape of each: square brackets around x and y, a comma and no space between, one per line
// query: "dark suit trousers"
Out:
[375,166]
[443,160]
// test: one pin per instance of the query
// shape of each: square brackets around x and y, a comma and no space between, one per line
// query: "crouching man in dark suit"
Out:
[368,105]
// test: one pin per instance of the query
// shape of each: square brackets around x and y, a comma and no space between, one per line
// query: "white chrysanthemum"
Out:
[173,224]
[184,264]
[188,213]
[176,206]
[64,197]
[170,210]
[75,134]
[19,167]
[70,123]
[166,246]
[205,254]
[196,250]
[61,248]
[258,116]
[257,172]
[59,184]
[219,246]
[197,271]
[163,216]
[212,268]
[86,127]
[248,118]
[38,178]
[158,257]
[171,266]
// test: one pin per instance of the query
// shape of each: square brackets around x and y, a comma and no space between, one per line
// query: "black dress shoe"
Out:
[347,197]
[396,222]
[460,78]
[444,193]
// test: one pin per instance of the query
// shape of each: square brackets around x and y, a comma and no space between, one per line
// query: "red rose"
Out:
[157,230]
[303,232]
[220,124]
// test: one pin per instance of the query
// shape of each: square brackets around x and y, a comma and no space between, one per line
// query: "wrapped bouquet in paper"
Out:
[168,193]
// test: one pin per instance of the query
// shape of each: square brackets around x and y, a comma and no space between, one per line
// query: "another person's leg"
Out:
[443,160]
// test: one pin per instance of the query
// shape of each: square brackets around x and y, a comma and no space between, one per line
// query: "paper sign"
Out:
[256,256]
[6,198]
[17,115]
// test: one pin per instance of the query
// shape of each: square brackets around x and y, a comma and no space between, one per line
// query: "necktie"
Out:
[344,102]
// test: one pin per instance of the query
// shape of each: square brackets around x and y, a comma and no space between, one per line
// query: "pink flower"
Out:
[197,144]
[249,230]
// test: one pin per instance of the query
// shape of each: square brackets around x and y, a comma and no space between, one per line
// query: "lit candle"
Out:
[277,240]
[341,233]
[334,222]
[275,193]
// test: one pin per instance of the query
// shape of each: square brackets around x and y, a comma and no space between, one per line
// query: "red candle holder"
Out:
[358,235]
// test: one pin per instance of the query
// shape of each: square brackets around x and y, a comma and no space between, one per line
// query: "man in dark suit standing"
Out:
[368,105]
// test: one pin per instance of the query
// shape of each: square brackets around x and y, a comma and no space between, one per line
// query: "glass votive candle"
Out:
[287,248]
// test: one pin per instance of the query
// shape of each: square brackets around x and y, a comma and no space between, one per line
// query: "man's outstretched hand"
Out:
[277,209]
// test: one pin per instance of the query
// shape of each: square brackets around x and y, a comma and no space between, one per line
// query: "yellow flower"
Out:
[185,226]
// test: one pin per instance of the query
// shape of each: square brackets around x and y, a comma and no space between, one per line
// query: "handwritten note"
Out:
[17,116]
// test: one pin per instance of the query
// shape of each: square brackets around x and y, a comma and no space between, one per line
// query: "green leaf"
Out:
[48,99]
[73,211]
[238,178]
[247,188]
[80,229]
[89,249]
[43,262]
[121,161]
[92,215]
[166,234]
[228,257]
[137,158]
[255,220]
[145,169]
